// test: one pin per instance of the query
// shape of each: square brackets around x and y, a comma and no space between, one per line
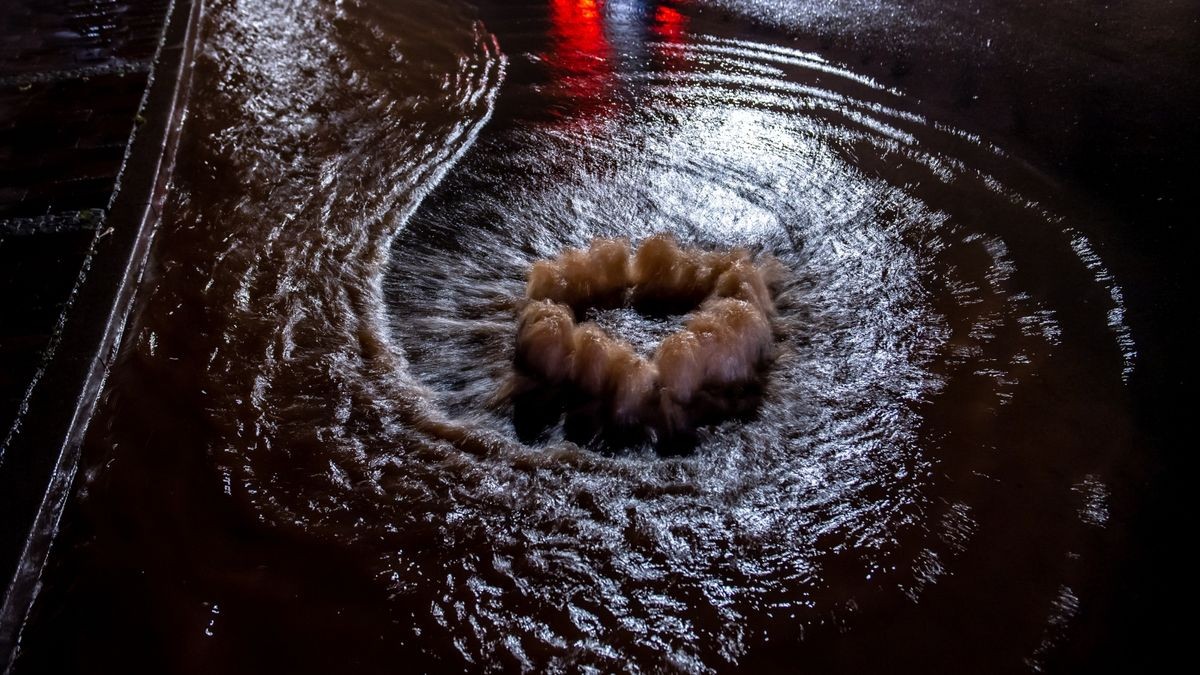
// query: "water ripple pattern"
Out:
[364,232]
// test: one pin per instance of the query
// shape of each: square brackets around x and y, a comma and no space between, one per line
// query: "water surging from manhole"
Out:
[331,312]
[700,372]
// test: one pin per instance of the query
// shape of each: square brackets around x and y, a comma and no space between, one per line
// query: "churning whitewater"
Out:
[701,371]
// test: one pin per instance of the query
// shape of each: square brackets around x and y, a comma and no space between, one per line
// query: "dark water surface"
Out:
[301,464]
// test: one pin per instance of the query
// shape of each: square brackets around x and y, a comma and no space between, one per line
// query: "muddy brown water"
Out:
[299,463]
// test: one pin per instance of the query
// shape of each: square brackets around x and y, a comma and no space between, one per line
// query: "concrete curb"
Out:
[37,476]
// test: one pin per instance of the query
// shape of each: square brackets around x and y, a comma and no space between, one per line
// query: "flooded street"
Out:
[306,458]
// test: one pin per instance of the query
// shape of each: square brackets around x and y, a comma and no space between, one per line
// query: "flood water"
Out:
[301,461]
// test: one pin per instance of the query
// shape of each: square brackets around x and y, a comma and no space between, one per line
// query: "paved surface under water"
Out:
[299,463]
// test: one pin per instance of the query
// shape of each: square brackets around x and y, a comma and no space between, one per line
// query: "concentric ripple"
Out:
[337,286]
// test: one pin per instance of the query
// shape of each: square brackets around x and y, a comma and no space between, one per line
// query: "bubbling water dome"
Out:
[706,370]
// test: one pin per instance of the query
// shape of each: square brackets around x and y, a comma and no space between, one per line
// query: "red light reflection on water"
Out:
[586,62]
[578,31]
[669,24]
[670,28]
[582,55]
